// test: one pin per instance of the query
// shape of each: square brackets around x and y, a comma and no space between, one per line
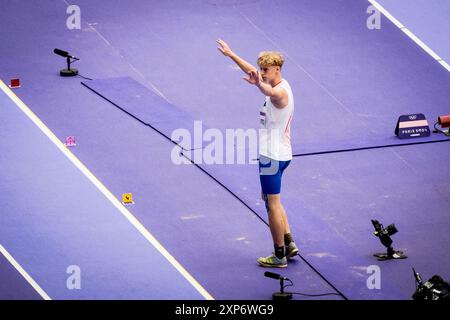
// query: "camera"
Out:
[434,289]
[385,237]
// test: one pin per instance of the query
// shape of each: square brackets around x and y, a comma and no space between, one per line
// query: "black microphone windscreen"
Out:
[61,53]
[272,275]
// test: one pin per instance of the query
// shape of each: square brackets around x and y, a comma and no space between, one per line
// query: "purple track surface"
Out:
[12,285]
[427,19]
[350,84]
[145,106]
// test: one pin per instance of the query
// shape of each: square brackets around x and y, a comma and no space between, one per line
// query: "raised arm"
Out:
[278,96]
[226,51]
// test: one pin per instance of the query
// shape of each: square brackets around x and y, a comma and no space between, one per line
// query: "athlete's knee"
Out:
[273,203]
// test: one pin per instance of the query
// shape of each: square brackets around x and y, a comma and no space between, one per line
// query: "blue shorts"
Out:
[270,173]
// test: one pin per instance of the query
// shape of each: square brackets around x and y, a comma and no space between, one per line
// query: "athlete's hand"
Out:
[254,77]
[224,48]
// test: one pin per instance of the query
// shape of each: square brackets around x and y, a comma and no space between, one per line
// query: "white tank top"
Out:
[275,132]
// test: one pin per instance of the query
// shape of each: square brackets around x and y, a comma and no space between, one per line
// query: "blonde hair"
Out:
[270,58]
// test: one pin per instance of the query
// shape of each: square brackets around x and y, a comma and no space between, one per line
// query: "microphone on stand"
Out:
[67,72]
[281,295]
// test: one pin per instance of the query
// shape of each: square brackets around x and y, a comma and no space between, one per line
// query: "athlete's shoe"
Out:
[291,250]
[272,262]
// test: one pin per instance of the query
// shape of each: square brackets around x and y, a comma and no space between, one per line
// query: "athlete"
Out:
[275,152]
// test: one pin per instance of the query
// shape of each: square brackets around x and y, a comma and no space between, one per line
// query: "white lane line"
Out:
[24,274]
[410,34]
[132,219]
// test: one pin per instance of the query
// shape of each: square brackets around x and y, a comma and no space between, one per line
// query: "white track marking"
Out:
[410,34]
[24,274]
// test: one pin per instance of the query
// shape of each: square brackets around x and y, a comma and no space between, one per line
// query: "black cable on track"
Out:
[368,148]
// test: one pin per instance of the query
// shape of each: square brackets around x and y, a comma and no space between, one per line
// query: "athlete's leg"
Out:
[287,229]
[276,225]
[291,249]
[270,177]
[276,219]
